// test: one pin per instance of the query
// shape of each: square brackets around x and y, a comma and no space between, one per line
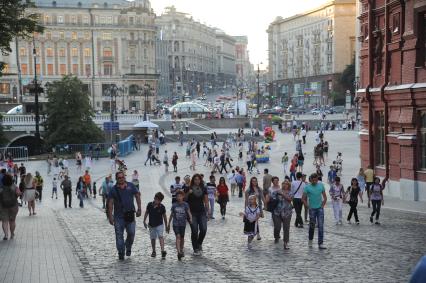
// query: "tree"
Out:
[347,78]
[14,22]
[69,114]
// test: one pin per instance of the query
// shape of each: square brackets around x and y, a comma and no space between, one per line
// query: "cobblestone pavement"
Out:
[77,245]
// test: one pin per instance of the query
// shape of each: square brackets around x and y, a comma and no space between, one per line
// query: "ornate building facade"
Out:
[393,94]
[308,51]
[191,53]
[108,44]
[225,62]
[243,67]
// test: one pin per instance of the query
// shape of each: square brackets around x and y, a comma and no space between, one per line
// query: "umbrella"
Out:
[145,124]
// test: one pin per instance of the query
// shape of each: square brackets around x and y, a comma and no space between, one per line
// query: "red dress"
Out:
[222,190]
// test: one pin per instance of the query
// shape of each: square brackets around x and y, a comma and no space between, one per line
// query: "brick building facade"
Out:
[393,94]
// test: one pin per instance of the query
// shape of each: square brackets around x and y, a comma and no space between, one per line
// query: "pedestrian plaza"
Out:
[78,244]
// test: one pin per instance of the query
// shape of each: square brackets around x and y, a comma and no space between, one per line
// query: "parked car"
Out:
[339,109]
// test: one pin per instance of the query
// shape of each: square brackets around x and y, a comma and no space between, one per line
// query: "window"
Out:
[380,138]
[47,19]
[74,20]
[421,40]
[4,88]
[49,52]
[37,51]
[108,69]
[87,70]
[61,35]
[50,69]
[109,20]
[107,52]
[132,36]
[132,69]
[86,20]
[74,35]
[75,69]
[5,69]
[395,23]
[22,51]
[48,35]
[131,21]
[106,36]
[144,53]
[102,20]
[60,19]
[87,52]
[61,52]
[38,69]
[423,140]
[86,35]
[74,52]
[132,52]
[24,69]
[62,69]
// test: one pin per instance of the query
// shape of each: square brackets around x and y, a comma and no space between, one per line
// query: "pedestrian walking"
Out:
[55,187]
[376,196]
[337,195]
[267,181]
[149,156]
[354,192]
[197,198]
[39,185]
[314,198]
[121,202]
[251,216]
[239,179]
[66,188]
[135,179]
[166,161]
[222,196]
[281,215]
[284,161]
[211,191]
[174,161]
[297,188]
[30,193]
[255,190]
[9,207]
[369,179]
[361,180]
[231,180]
[80,191]
[157,219]
[180,213]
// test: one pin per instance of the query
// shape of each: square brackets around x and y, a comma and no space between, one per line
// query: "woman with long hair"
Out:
[223,197]
[30,193]
[254,190]
[9,205]
[354,192]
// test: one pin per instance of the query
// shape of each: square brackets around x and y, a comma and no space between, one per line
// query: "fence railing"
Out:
[18,153]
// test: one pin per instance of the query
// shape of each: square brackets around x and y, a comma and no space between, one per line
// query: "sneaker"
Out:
[223,217]
[121,256]
[276,241]
[154,254]
[197,253]
[340,222]
[357,223]
[310,243]
[349,222]
[249,245]
[322,247]
[371,219]
[377,223]
[179,255]
[258,237]
[212,217]
[128,253]
[163,254]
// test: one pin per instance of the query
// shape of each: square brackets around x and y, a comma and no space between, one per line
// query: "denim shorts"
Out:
[156,232]
[179,230]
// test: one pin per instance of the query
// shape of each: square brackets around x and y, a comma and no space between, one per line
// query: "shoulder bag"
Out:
[129,216]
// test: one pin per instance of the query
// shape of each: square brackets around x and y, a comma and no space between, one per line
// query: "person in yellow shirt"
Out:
[369,180]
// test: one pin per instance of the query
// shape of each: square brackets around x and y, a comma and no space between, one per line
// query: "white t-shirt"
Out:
[231,178]
[294,186]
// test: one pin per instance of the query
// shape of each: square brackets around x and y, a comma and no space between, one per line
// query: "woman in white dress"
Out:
[30,193]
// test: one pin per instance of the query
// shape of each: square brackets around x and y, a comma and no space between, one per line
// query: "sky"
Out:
[241,17]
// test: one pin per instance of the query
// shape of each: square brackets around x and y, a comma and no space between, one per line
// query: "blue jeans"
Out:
[199,223]
[316,215]
[119,226]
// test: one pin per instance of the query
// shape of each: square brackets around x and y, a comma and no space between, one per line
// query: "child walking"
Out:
[55,188]
[180,214]
[251,216]
[157,217]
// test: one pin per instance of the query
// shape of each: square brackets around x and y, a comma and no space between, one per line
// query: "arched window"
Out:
[107,52]
[133,90]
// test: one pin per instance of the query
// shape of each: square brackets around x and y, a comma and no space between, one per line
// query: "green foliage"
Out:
[69,114]
[276,119]
[338,97]
[14,22]
[347,78]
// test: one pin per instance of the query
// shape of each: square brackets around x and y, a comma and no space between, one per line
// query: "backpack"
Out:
[8,197]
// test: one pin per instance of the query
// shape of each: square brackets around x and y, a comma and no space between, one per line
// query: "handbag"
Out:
[128,216]
[272,204]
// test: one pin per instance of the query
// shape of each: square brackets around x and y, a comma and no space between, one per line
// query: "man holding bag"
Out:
[121,201]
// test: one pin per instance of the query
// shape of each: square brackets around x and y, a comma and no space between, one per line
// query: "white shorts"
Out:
[156,232]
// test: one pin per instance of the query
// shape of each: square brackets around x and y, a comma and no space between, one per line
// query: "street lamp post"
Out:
[146,91]
[36,111]
[258,89]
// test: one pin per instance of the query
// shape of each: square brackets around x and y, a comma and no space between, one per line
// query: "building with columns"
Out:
[191,53]
[308,51]
[243,67]
[225,63]
[104,43]
[392,94]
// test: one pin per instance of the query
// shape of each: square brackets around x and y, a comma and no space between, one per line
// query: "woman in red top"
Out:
[222,191]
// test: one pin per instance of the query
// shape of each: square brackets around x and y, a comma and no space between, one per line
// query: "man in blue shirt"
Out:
[239,179]
[121,201]
[314,198]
